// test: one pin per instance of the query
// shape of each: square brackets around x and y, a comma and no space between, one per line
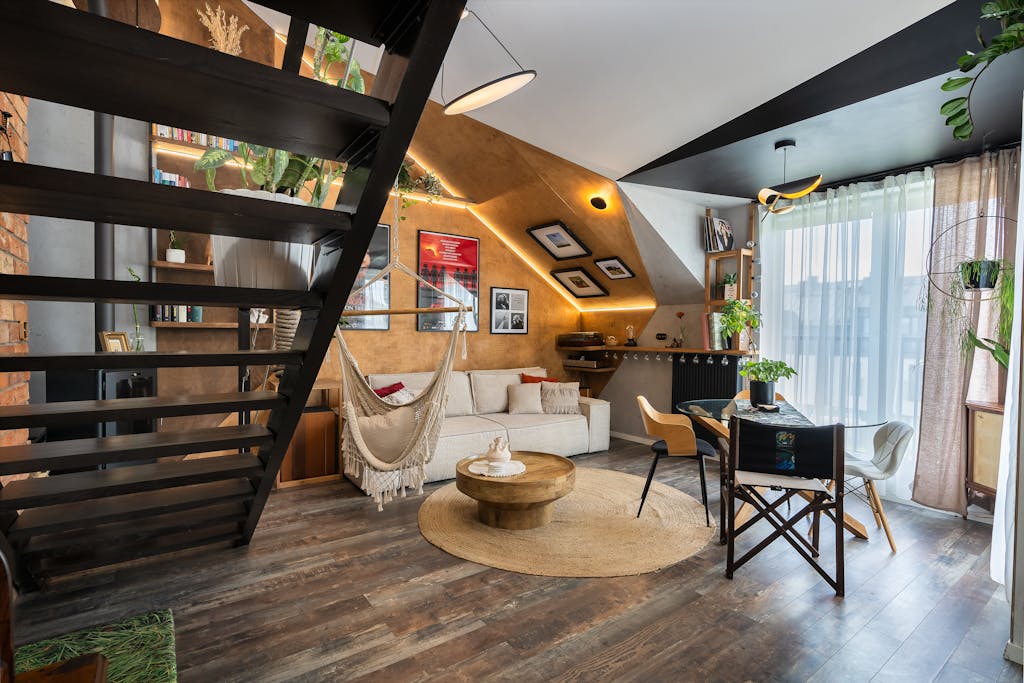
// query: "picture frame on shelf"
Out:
[579,283]
[376,297]
[114,342]
[614,268]
[718,235]
[452,264]
[559,241]
[510,310]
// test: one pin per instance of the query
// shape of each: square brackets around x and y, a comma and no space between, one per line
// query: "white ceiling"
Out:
[621,82]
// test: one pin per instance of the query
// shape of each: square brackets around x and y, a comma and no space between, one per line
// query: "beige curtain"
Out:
[984,188]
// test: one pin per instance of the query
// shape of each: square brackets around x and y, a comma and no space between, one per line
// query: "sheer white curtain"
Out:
[842,279]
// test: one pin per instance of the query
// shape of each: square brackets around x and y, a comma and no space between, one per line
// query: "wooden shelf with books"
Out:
[206,325]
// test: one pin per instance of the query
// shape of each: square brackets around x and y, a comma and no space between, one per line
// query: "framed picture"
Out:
[579,283]
[510,310]
[614,268]
[452,264]
[376,297]
[718,235]
[559,241]
[116,342]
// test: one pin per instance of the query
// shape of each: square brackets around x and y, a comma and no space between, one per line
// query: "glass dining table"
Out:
[713,414]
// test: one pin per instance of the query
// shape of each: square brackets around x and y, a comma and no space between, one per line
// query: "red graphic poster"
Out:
[449,263]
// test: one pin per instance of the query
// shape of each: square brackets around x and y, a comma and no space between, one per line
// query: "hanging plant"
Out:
[1010,15]
[977,275]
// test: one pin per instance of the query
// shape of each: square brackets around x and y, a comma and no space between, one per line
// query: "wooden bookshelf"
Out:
[206,326]
[589,371]
[196,267]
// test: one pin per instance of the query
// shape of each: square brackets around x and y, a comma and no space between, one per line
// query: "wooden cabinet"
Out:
[313,452]
[984,430]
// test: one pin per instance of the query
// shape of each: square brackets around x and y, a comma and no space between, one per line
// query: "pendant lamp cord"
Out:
[496,39]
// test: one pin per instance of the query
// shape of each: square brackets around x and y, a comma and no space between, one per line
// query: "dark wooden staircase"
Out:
[93,517]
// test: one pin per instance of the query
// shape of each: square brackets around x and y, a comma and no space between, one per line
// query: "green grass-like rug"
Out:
[138,649]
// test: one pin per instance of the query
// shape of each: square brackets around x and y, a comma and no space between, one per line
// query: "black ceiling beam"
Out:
[921,51]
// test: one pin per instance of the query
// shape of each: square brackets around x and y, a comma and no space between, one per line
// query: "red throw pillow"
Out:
[388,390]
[530,379]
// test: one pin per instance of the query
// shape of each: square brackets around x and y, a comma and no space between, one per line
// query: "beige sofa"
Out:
[477,412]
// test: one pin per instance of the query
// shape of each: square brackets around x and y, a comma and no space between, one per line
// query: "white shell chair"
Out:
[891,444]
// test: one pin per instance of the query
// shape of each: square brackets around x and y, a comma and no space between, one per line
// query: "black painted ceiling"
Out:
[874,112]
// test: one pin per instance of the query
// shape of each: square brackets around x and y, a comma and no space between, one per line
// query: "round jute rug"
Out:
[595,531]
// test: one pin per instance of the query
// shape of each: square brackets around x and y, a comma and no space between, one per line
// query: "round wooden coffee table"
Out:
[522,501]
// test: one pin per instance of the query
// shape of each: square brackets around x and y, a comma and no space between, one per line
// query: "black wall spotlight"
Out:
[598,203]
[6,154]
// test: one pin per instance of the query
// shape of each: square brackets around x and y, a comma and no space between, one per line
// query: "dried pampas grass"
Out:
[225,33]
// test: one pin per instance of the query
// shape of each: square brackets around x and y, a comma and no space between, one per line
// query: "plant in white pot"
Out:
[175,252]
[763,375]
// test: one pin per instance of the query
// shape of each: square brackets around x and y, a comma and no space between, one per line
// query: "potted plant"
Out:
[979,274]
[763,375]
[175,252]
[738,317]
[975,276]
[728,286]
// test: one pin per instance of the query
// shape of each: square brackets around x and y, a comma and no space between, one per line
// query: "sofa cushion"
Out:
[490,390]
[460,400]
[560,399]
[524,399]
[527,378]
[388,390]
[558,434]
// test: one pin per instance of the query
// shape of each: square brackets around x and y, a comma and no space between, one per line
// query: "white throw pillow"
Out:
[524,399]
[562,398]
[400,397]
[386,436]
[490,391]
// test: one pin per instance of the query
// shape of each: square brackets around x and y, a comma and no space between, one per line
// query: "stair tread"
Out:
[100,60]
[83,412]
[133,530]
[85,514]
[51,455]
[47,288]
[147,359]
[96,483]
[59,193]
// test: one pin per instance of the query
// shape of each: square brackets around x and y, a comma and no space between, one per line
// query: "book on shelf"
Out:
[190,136]
[717,235]
[706,335]
[174,179]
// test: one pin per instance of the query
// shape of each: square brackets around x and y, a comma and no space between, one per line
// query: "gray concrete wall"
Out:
[62,137]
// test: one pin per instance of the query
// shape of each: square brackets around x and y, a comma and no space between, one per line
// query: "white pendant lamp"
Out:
[492,91]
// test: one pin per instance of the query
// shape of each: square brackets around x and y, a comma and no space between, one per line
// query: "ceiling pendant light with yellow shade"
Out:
[491,91]
[770,196]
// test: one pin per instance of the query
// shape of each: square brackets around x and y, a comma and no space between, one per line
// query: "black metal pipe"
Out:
[103,233]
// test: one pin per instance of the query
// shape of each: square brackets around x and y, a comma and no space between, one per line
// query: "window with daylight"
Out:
[844,278]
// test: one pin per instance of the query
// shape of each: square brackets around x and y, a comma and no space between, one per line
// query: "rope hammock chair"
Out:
[391,444]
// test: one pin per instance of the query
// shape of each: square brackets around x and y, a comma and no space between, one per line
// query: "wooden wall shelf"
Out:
[167,265]
[656,349]
[206,326]
[595,371]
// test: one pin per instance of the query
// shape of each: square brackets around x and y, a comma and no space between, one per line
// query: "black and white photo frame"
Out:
[579,283]
[559,241]
[510,310]
[614,268]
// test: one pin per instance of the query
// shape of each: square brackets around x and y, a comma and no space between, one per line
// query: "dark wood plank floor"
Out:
[332,590]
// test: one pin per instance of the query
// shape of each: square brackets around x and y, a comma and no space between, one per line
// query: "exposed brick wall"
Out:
[14,259]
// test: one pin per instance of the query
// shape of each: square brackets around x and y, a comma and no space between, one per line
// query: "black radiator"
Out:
[696,376]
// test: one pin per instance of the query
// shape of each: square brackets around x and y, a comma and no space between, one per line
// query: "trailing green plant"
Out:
[431,184]
[729,279]
[1010,15]
[738,317]
[954,312]
[330,48]
[137,341]
[766,370]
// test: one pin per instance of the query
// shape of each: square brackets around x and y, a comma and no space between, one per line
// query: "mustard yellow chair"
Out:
[674,434]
